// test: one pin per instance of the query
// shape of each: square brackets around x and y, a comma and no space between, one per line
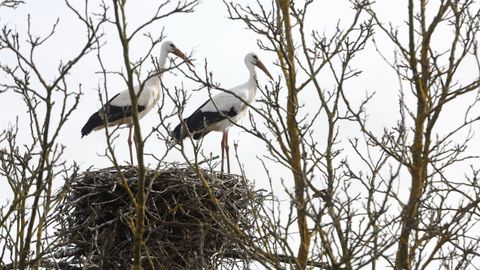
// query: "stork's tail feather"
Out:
[94,121]
[180,132]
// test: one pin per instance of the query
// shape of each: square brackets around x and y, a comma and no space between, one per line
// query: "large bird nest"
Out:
[183,228]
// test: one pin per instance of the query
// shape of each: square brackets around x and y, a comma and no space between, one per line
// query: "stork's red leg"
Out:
[130,143]
[135,141]
[223,148]
[227,148]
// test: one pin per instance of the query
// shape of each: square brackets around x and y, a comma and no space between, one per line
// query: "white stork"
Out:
[222,110]
[117,110]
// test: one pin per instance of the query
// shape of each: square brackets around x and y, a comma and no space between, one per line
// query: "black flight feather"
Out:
[113,113]
[198,122]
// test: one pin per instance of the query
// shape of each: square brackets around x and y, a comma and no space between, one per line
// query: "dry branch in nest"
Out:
[182,228]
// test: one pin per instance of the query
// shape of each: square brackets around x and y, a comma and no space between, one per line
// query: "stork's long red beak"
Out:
[262,67]
[180,54]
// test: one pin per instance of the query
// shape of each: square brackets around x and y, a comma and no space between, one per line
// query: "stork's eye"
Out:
[255,57]
[172,45]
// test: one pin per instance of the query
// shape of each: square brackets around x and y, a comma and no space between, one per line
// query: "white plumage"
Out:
[150,95]
[117,111]
[222,110]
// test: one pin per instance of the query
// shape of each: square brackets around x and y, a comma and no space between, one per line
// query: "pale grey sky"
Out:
[209,34]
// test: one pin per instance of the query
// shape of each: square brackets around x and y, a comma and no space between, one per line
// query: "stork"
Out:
[118,111]
[221,111]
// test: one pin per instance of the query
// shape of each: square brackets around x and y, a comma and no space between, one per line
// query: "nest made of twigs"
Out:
[182,225]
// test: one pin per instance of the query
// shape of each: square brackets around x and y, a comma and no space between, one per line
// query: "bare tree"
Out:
[347,202]
[132,69]
[433,227]
[293,128]
[350,217]
[30,168]
[33,186]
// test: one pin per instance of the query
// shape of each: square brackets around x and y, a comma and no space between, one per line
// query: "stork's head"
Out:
[252,59]
[169,47]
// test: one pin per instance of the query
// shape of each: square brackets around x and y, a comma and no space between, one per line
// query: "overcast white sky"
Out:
[210,35]
[207,32]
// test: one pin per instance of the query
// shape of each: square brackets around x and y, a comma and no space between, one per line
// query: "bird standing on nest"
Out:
[221,111]
[118,111]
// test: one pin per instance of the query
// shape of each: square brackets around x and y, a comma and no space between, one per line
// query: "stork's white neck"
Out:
[252,80]
[162,61]
[153,85]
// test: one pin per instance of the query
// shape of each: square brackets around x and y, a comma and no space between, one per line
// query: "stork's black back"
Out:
[113,113]
[197,123]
